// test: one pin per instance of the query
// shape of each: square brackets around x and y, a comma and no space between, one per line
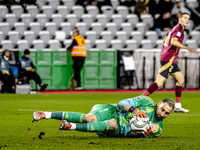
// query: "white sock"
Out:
[178,105]
[48,115]
[73,126]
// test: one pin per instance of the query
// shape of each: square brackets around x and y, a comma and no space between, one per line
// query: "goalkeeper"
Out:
[113,120]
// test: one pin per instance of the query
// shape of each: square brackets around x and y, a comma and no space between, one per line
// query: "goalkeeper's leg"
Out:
[69,116]
[90,127]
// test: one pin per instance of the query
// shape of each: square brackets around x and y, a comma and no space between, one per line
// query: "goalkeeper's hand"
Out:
[147,129]
[140,113]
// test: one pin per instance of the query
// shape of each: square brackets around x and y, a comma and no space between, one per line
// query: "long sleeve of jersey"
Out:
[125,102]
[142,103]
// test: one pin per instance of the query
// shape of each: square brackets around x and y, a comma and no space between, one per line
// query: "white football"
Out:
[141,124]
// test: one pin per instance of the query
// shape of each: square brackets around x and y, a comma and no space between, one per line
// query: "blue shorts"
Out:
[167,69]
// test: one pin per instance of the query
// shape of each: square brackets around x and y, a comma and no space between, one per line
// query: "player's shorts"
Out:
[167,69]
[103,113]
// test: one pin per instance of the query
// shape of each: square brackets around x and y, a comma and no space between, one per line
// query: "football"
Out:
[139,124]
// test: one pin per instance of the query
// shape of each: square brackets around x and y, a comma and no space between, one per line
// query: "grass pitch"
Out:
[181,131]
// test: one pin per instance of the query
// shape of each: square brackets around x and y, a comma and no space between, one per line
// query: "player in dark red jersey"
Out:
[169,54]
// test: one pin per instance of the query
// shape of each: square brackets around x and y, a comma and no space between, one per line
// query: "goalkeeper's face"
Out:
[163,110]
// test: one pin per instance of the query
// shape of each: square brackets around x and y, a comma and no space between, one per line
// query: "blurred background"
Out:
[113,29]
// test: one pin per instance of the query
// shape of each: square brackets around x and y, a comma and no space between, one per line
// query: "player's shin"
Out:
[178,91]
[151,89]
[73,117]
[94,126]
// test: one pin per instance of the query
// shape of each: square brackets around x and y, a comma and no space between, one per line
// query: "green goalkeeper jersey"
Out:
[145,104]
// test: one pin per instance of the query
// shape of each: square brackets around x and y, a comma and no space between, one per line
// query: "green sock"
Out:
[73,117]
[57,115]
[94,126]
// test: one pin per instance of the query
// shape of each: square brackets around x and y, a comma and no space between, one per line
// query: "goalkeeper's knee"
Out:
[113,124]
[90,118]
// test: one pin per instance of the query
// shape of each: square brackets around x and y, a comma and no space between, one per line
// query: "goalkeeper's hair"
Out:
[170,102]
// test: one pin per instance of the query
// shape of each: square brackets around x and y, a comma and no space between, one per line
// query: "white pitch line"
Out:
[19,109]
[24,110]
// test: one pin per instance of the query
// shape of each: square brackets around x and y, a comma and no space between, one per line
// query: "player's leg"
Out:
[160,80]
[4,78]
[73,82]
[100,126]
[37,79]
[178,90]
[75,68]
[75,117]
[105,120]
[79,67]
[163,74]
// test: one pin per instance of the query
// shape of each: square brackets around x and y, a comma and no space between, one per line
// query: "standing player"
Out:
[172,44]
[113,119]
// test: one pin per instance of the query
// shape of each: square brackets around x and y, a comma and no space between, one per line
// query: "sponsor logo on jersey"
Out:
[105,109]
[178,34]
[101,111]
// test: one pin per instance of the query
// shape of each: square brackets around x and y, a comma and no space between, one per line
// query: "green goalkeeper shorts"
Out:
[104,112]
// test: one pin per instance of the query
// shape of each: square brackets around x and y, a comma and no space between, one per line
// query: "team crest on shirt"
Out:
[137,98]
[101,111]
[178,34]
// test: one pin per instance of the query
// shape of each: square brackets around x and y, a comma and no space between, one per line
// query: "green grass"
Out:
[181,131]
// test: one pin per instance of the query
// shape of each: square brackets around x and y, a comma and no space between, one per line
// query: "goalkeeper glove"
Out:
[147,129]
[137,112]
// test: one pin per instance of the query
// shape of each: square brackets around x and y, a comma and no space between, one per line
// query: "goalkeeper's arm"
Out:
[126,104]
[129,106]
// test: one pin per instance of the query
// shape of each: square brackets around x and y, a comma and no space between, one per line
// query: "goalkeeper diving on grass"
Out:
[134,117]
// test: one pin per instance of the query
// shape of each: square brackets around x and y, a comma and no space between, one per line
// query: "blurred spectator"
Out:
[153,7]
[162,23]
[85,2]
[9,3]
[100,3]
[174,18]
[165,6]
[127,3]
[24,3]
[27,69]
[140,8]
[196,18]
[6,74]
[198,8]
[177,9]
